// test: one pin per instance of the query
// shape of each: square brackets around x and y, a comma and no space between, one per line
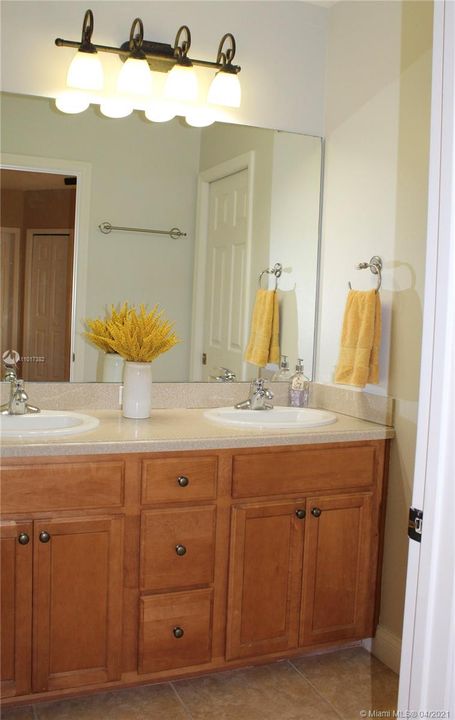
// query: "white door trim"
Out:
[83,173]
[241,162]
[427,680]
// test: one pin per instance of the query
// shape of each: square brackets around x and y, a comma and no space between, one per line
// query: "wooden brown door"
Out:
[77,613]
[337,571]
[16,607]
[47,304]
[265,578]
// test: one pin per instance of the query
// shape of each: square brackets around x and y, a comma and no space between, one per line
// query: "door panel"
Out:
[265,578]
[337,573]
[16,608]
[78,602]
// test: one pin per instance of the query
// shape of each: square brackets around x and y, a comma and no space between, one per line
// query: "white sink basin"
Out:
[47,422]
[279,417]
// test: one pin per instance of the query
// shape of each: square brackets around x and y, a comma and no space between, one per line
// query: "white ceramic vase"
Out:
[137,390]
[113,368]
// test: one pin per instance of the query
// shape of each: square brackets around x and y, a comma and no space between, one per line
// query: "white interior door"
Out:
[47,304]
[226,276]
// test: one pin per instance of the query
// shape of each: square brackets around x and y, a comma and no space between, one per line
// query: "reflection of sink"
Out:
[279,417]
[47,422]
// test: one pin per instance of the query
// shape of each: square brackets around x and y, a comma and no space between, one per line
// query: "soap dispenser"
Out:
[299,387]
[284,373]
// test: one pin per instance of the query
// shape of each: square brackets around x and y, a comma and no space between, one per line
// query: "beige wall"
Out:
[377,131]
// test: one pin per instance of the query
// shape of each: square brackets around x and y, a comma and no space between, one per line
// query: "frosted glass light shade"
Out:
[135,77]
[116,107]
[181,84]
[200,117]
[72,102]
[225,90]
[160,111]
[85,72]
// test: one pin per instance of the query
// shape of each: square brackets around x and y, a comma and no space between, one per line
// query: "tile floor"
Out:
[333,686]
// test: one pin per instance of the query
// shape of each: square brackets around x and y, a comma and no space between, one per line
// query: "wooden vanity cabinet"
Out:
[303,571]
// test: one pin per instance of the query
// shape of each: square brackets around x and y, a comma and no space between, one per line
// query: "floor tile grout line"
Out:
[181,701]
[318,692]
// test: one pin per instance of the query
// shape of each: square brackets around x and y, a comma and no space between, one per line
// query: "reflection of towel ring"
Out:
[375,266]
[276,270]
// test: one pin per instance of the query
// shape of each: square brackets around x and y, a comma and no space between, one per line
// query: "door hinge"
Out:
[204,358]
[415,524]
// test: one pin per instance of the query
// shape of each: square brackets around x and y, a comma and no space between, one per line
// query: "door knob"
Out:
[180,550]
[23,538]
[316,512]
[44,536]
[178,632]
[183,481]
[300,513]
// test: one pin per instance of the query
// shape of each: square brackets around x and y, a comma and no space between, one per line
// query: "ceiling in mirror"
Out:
[245,197]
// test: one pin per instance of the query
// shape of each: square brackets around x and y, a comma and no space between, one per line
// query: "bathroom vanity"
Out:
[129,561]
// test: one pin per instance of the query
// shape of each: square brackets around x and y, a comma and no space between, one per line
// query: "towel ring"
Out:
[375,266]
[276,271]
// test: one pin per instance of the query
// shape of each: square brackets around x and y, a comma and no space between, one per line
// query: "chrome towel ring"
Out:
[375,266]
[276,271]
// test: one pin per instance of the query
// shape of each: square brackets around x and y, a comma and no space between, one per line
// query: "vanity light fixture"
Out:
[86,70]
[134,85]
[225,86]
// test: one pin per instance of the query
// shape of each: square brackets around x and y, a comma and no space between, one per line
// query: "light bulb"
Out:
[200,117]
[116,107]
[72,102]
[160,111]
[85,72]
[181,83]
[225,89]
[135,77]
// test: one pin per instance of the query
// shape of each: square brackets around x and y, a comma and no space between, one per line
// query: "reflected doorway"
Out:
[37,249]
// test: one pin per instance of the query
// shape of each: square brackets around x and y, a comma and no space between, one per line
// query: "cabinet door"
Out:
[337,569]
[77,612]
[265,578]
[16,607]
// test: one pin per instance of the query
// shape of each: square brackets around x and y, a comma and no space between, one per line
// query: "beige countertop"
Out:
[185,429]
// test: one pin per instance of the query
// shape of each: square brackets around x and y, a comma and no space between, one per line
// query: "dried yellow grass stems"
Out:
[138,336]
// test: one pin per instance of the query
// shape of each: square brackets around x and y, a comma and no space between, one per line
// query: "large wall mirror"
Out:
[246,198]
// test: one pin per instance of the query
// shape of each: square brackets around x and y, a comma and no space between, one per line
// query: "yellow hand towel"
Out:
[264,344]
[358,363]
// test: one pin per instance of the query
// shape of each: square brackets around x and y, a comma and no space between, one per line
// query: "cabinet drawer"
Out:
[177,547]
[62,486]
[175,630]
[301,471]
[179,479]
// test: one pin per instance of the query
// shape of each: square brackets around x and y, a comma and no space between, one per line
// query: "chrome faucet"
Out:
[259,397]
[18,399]
[227,376]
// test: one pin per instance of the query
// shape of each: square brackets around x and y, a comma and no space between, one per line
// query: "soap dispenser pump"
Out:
[284,373]
[299,387]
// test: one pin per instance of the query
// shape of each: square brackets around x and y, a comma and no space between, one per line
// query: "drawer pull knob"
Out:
[178,632]
[300,513]
[183,481]
[23,539]
[316,512]
[44,536]
[180,550]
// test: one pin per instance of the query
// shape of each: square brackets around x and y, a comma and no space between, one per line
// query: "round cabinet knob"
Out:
[316,512]
[23,539]
[183,481]
[44,536]
[300,513]
[180,550]
[178,632]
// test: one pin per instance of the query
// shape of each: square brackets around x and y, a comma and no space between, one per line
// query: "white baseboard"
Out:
[386,646]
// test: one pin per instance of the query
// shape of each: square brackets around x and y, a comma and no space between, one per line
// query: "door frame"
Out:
[427,675]
[245,161]
[83,172]
[15,280]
